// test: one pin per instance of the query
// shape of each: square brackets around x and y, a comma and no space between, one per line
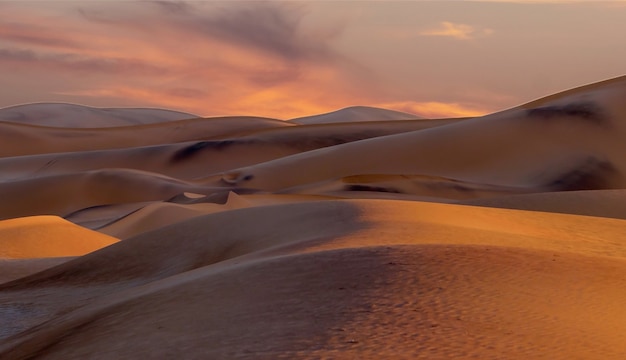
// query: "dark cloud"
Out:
[272,77]
[73,62]
[187,93]
[97,16]
[173,7]
[274,28]
[33,35]
[17,55]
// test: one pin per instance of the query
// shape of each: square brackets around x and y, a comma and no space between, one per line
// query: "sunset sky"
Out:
[296,58]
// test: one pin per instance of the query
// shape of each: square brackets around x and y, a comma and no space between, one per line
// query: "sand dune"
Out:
[353,266]
[64,194]
[603,203]
[30,139]
[565,146]
[355,114]
[157,215]
[362,233]
[79,116]
[47,236]
[12,269]
[180,159]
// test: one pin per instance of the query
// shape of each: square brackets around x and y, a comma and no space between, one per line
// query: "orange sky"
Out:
[289,59]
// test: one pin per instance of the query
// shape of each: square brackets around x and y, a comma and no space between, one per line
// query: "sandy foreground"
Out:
[496,237]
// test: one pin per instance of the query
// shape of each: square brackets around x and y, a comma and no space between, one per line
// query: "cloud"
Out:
[272,28]
[456,31]
[186,93]
[34,35]
[434,109]
[209,58]
[173,7]
[77,63]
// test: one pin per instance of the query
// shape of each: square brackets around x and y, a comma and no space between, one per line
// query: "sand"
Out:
[354,114]
[355,234]
[78,116]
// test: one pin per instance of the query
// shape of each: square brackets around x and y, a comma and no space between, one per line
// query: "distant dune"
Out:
[355,114]
[361,233]
[79,116]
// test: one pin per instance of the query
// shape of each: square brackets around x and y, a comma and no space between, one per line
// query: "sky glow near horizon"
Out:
[296,58]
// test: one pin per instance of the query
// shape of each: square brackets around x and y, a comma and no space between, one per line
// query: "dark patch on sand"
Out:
[592,174]
[305,143]
[190,151]
[359,187]
[587,111]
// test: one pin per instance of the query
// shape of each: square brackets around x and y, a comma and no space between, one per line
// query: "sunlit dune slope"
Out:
[365,278]
[604,203]
[47,236]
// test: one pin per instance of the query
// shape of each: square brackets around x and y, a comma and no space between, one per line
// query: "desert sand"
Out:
[362,233]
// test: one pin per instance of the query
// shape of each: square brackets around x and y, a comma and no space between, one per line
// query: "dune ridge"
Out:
[80,116]
[361,233]
[22,139]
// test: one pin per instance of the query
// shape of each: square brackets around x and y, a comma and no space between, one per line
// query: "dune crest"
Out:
[79,116]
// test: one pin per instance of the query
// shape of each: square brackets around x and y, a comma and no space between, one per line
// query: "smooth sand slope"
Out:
[64,194]
[348,278]
[355,234]
[604,203]
[181,159]
[19,139]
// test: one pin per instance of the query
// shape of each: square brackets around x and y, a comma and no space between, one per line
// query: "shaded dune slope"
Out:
[181,159]
[64,194]
[571,144]
[20,139]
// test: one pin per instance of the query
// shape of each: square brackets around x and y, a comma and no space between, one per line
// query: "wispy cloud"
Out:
[32,34]
[76,63]
[271,28]
[173,7]
[456,31]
